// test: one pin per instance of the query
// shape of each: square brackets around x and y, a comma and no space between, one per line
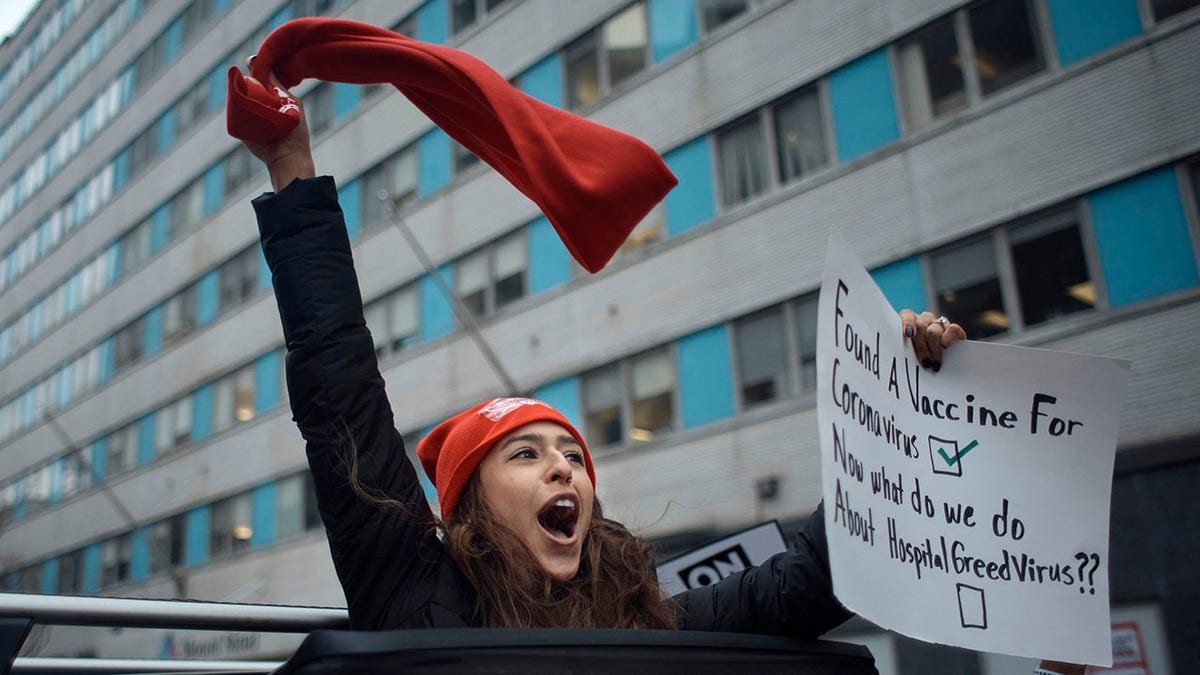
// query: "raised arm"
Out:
[382,551]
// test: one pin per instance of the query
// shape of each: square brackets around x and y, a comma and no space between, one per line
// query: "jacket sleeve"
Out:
[383,556]
[790,594]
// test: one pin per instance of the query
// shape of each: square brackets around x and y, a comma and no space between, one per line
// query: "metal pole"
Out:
[460,310]
[66,610]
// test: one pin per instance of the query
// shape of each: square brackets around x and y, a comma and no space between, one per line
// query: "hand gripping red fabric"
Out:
[593,183]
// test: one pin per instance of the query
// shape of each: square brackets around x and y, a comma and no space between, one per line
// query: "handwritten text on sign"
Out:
[968,507]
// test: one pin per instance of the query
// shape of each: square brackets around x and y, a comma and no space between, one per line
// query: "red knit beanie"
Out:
[452,451]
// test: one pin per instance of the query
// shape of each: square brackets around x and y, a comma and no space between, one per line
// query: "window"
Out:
[122,450]
[241,168]
[394,321]
[238,278]
[996,41]
[37,488]
[397,175]
[233,399]
[174,427]
[179,314]
[717,13]
[968,288]
[603,399]
[77,472]
[493,276]
[762,356]
[804,313]
[195,17]
[318,108]
[653,380]
[295,506]
[230,530]
[115,558]
[1164,9]
[651,229]
[800,134]
[136,247]
[463,13]
[1006,44]
[191,108]
[1051,269]
[167,543]
[130,344]
[607,56]
[463,158]
[187,207]
[742,160]
[29,579]
[70,572]
[930,74]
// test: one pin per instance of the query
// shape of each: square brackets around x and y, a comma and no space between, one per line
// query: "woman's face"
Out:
[535,482]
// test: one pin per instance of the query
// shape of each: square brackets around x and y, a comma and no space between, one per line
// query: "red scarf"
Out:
[593,183]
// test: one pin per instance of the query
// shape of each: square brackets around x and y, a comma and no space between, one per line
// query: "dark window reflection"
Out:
[969,289]
[1052,275]
[1005,43]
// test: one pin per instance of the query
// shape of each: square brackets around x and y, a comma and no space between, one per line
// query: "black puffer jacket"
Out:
[394,570]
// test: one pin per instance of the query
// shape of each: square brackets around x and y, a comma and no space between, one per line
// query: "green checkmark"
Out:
[959,455]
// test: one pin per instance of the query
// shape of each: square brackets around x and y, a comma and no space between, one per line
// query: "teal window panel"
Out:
[145,448]
[214,188]
[195,549]
[173,41]
[218,82]
[19,500]
[902,284]
[543,81]
[262,515]
[91,568]
[202,412]
[437,314]
[56,480]
[264,271]
[114,253]
[1142,233]
[693,201]
[207,297]
[673,27]
[549,261]
[433,161]
[152,342]
[108,353]
[433,22]
[50,576]
[121,170]
[99,460]
[350,197]
[166,131]
[564,396]
[139,555]
[219,7]
[705,377]
[346,98]
[864,107]
[160,229]
[1084,27]
[266,381]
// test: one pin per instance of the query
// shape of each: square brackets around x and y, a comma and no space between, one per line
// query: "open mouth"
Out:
[558,519]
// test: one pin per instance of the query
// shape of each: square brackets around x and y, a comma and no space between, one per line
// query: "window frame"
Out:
[624,367]
[595,37]
[490,254]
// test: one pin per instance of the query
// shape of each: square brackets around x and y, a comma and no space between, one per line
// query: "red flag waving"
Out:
[593,183]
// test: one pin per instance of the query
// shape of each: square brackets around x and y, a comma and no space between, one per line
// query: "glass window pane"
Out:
[512,258]
[742,160]
[624,39]
[462,14]
[931,78]
[471,278]
[653,385]
[583,72]
[602,398]
[372,209]
[968,288]
[243,397]
[223,404]
[800,135]
[403,317]
[402,185]
[376,317]
[1006,44]
[762,356]
[1168,8]
[1052,275]
[289,506]
[715,13]
[651,229]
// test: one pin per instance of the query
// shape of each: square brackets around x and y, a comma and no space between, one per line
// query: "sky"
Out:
[12,12]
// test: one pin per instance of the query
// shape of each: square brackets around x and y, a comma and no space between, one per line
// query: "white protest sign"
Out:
[968,507]
[715,561]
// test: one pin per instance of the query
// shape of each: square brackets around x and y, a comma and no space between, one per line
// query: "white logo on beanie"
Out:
[499,407]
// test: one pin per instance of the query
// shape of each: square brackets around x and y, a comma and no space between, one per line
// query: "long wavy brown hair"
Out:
[616,586]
